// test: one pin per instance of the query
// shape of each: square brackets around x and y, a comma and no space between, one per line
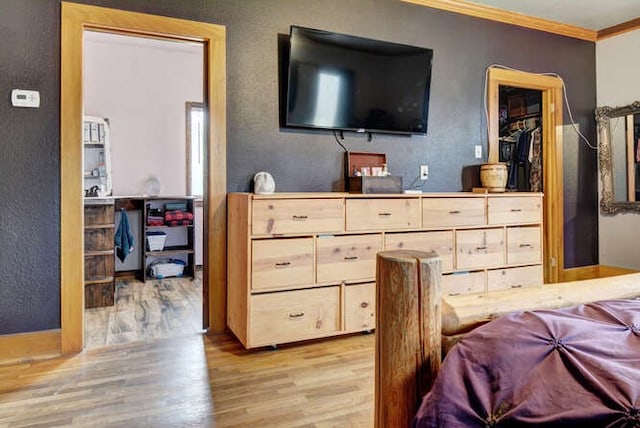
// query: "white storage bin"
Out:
[167,268]
[155,240]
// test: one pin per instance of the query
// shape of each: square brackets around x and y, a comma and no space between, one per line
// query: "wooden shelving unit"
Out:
[99,229]
[180,242]
[96,155]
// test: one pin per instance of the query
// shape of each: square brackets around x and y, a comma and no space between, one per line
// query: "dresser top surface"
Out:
[328,195]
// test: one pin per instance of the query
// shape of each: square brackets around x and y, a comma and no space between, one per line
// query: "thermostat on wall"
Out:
[25,98]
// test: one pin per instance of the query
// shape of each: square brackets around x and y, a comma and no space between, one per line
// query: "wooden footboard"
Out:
[414,322]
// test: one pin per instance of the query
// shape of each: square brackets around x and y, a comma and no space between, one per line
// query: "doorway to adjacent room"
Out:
[549,91]
[139,86]
[76,19]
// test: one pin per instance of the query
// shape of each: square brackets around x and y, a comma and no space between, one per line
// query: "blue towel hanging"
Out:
[123,238]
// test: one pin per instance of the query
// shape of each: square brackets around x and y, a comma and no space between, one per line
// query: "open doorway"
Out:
[549,91]
[520,138]
[77,18]
[139,86]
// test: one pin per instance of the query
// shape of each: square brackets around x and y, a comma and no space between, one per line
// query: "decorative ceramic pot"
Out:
[493,176]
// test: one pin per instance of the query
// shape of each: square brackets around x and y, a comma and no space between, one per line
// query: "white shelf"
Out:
[97,153]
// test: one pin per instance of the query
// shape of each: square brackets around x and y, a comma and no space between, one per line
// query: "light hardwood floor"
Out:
[158,308]
[196,381]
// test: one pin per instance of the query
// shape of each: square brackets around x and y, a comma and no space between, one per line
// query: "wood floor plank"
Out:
[195,381]
[144,311]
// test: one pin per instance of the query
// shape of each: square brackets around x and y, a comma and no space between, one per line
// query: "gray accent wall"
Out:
[29,167]
[299,160]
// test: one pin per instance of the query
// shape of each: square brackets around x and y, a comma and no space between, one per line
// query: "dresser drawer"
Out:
[360,307]
[479,248]
[452,212]
[523,245]
[439,242]
[514,209]
[463,283]
[527,276]
[383,214]
[281,216]
[288,316]
[282,263]
[347,258]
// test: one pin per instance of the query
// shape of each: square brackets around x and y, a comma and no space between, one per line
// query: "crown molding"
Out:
[514,18]
[616,30]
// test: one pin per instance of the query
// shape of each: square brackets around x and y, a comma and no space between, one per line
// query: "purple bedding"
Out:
[568,367]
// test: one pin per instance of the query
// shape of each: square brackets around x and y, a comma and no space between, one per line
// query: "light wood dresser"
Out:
[303,265]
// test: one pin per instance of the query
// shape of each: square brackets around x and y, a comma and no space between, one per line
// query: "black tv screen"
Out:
[341,82]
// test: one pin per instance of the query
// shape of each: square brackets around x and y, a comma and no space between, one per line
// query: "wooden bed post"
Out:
[408,333]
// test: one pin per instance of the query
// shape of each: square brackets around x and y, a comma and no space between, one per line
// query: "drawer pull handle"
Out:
[454,294]
[283,264]
[364,305]
[296,315]
[350,257]
[517,286]
[384,214]
[481,248]
[515,210]
[526,245]
[455,212]
[300,217]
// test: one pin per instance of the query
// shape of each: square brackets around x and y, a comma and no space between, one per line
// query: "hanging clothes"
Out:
[518,177]
[535,158]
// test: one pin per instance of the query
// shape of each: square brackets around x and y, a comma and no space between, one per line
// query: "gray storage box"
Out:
[388,184]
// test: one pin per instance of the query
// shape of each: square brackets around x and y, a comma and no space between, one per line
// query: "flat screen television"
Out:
[341,82]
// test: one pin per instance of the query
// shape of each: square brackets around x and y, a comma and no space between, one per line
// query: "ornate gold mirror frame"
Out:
[608,205]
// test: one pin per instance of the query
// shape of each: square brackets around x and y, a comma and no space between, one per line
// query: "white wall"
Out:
[142,86]
[618,83]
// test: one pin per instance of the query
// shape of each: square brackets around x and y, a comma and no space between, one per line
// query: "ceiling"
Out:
[590,14]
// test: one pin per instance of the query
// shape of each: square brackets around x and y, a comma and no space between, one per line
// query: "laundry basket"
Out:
[155,240]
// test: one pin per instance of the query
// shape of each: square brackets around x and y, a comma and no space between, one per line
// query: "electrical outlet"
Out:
[478,152]
[424,172]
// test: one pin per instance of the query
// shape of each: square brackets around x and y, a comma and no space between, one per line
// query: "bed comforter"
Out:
[568,367]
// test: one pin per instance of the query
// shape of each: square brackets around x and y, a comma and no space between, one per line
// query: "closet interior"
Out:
[520,141]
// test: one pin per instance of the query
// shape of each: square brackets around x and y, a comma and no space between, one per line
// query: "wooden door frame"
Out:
[552,169]
[75,19]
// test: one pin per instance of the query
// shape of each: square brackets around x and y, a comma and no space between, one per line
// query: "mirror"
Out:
[619,157]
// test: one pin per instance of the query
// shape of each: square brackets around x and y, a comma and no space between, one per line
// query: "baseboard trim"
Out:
[606,271]
[22,347]
[579,273]
[593,271]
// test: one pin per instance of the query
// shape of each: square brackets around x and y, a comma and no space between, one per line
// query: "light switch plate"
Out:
[25,98]
[478,152]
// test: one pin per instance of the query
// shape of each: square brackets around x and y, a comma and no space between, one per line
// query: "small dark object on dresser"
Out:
[372,184]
